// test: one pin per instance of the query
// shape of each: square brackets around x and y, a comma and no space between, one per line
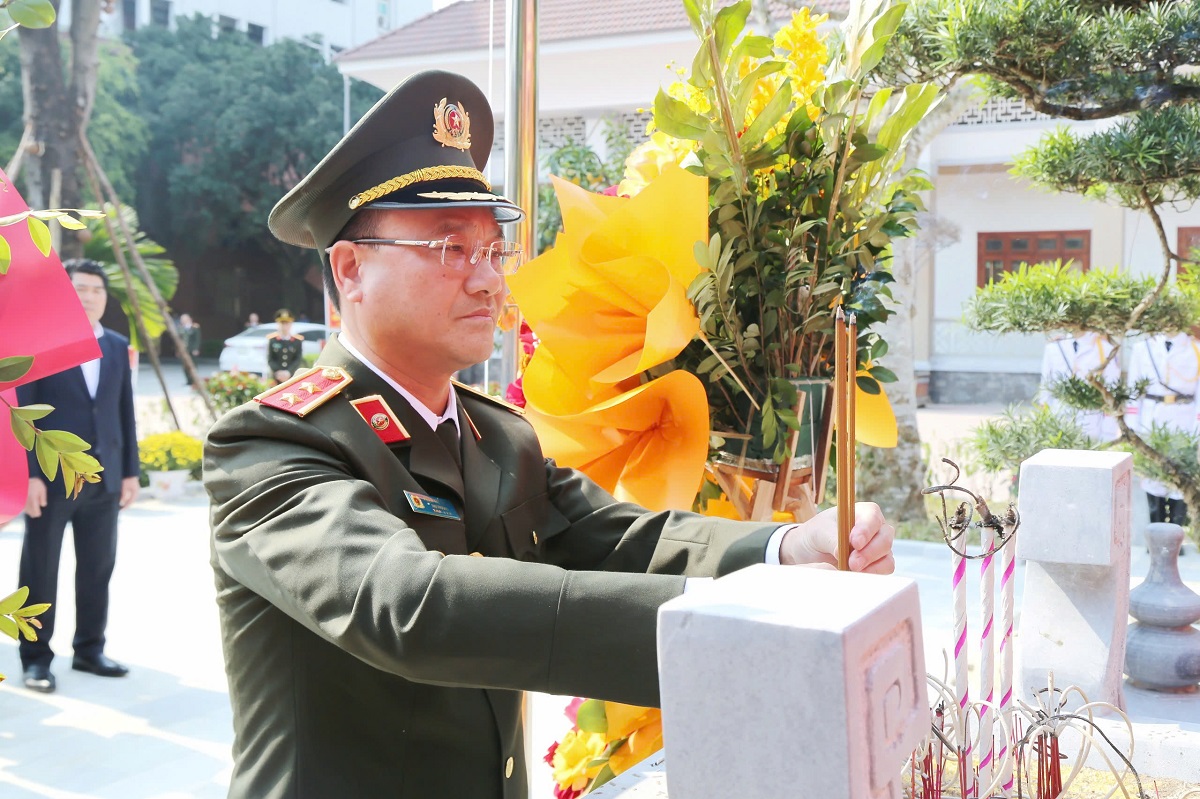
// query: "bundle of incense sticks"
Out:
[845,373]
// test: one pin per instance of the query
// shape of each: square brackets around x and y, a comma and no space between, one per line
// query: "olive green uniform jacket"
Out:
[368,654]
[285,354]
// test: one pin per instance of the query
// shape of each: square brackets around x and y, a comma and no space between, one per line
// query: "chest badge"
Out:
[431,506]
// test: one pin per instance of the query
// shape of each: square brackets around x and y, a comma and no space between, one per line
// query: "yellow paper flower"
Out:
[643,742]
[609,299]
[874,419]
[647,445]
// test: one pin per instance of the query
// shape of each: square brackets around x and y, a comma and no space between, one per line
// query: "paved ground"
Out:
[164,732]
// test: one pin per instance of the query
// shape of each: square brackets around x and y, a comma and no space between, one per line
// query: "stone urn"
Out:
[1162,651]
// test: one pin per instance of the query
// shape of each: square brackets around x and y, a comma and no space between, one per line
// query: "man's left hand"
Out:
[129,491]
[815,541]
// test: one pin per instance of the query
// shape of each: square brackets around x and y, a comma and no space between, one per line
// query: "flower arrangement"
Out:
[231,389]
[606,738]
[682,311]
[164,452]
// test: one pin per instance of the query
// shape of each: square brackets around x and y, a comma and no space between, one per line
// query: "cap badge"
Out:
[451,125]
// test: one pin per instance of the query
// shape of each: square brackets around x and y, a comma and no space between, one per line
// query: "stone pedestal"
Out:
[1163,650]
[1074,536]
[783,681]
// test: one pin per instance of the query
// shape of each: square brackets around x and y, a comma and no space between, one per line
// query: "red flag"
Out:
[14,469]
[40,315]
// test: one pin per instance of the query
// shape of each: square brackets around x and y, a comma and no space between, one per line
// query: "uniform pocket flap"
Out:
[531,524]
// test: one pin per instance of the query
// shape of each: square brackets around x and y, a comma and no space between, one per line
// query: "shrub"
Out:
[231,389]
[164,452]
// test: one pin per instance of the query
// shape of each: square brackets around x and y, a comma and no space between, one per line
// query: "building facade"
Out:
[607,61]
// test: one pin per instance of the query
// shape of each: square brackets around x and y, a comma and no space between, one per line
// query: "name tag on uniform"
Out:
[431,506]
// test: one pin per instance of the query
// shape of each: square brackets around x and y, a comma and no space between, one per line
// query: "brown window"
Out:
[1189,241]
[1004,252]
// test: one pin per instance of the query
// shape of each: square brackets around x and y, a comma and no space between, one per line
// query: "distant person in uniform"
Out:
[189,332]
[1080,356]
[252,321]
[1172,365]
[284,348]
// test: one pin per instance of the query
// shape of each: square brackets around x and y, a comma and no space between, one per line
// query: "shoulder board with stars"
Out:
[273,335]
[298,337]
[306,390]
[477,394]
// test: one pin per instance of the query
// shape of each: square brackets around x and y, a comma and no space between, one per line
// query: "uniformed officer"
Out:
[395,558]
[284,348]
[1079,356]
[1172,365]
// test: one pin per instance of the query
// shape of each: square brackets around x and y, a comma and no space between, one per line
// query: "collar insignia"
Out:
[451,125]
[375,412]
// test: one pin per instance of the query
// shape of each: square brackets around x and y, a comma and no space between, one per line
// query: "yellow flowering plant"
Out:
[801,153]
[164,452]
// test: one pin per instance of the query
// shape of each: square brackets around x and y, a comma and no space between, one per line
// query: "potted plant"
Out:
[801,152]
[231,389]
[169,460]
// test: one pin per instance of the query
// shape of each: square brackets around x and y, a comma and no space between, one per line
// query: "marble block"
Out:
[1074,535]
[1072,504]
[782,681]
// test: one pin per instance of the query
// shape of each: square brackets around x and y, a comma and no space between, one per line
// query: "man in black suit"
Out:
[94,401]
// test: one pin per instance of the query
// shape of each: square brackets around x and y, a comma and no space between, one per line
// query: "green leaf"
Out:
[870,152]
[9,627]
[15,367]
[33,610]
[605,774]
[675,118]
[868,385]
[591,717]
[22,431]
[882,374]
[693,15]
[14,601]
[730,22]
[31,413]
[71,223]
[32,13]
[64,441]
[26,628]
[47,457]
[40,233]
[5,256]
[769,117]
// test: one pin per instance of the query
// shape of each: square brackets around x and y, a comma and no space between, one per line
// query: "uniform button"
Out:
[508,767]
[477,554]
[535,537]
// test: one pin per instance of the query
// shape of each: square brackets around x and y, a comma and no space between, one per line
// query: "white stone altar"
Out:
[1074,537]
[784,681]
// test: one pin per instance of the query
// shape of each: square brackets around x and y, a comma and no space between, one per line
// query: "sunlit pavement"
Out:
[165,730]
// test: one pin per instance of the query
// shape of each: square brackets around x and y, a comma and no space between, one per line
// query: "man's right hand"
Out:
[35,500]
[282,375]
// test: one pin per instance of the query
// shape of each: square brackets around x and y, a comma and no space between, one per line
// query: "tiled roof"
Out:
[463,26]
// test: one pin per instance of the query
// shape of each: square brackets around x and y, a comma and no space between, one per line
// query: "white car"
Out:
[247,351]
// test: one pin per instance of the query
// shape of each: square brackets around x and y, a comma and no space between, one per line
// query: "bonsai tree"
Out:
[1134,61]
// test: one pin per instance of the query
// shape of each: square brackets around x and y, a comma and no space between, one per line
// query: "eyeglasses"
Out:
[461,255]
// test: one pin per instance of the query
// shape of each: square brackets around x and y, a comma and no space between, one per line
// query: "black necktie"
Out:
[447,431]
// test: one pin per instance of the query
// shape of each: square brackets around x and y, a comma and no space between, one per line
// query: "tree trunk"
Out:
[893,478]
[56,107]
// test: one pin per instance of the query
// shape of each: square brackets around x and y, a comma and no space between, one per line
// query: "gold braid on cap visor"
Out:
[422,175]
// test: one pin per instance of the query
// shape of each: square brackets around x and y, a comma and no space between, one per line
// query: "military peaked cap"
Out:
[423,145]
